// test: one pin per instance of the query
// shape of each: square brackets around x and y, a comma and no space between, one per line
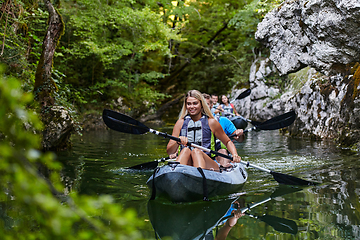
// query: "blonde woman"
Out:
[197,125]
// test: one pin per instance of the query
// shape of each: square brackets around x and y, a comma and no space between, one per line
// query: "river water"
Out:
[97,163]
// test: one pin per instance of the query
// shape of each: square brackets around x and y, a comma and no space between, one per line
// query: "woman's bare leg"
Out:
[185,157]
[201,159]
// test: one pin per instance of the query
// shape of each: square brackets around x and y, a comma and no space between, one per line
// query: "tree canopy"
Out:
[140,51]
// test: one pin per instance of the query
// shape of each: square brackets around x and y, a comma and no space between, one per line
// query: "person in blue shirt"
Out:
[229,129]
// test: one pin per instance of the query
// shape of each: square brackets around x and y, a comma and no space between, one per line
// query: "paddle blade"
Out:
[255,123]
[291,180]
[145,166]
[280,224]
[149,165]
[123,123]
[278,122]
[244,94]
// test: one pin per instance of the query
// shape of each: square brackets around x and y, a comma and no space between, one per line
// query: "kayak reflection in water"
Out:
[195,221]
[197,125]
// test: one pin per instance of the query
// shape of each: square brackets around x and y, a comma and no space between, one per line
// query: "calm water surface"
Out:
[96,165]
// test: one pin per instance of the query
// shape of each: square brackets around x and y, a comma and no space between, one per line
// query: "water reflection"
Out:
[186,221]
[213,220]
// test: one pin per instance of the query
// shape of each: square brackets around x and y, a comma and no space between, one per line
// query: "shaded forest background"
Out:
[134,54]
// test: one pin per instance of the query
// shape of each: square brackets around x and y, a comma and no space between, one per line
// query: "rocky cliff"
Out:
[324,35]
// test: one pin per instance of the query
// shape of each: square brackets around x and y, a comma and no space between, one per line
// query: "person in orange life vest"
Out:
[196,124]
[227,109]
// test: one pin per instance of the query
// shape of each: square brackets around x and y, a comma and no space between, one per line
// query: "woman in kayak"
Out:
[227,109]
[197,125]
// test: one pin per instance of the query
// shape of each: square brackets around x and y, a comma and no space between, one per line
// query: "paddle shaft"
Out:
[255,204]
[245,131]
[189,144]
[207,150]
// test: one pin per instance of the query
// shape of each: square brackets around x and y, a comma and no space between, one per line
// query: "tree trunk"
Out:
[44,84]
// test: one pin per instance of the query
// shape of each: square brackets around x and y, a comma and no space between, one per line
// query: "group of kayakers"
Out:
[225,108]
[200,123]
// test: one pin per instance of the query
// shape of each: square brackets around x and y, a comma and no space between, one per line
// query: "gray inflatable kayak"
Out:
[182,183]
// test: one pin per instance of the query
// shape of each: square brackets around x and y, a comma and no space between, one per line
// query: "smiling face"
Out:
[193,106]
[214,99]
[224,99]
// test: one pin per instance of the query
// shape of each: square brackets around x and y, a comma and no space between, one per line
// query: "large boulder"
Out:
[58,128]
[264,101]
[327,107]
[323,34]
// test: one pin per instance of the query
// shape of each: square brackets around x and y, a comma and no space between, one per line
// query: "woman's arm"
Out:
[173,146]
[236,113]
[220,134]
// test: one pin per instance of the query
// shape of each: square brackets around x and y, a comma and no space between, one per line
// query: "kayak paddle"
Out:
[277,122]
[123,123]
[242,95]
[149,165]
[279,224]
[254,123]
[274,123]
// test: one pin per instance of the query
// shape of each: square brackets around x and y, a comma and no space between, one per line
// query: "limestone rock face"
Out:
[327,107]
[323,34]
[260,105]
[322,107]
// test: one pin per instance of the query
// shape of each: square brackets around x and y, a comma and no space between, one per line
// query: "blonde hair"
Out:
[196,94]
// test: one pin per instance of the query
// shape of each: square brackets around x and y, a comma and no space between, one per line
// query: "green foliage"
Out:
[113,49]
[225,61]
[23,26]
[34,207]
[110,48]
[211,70]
